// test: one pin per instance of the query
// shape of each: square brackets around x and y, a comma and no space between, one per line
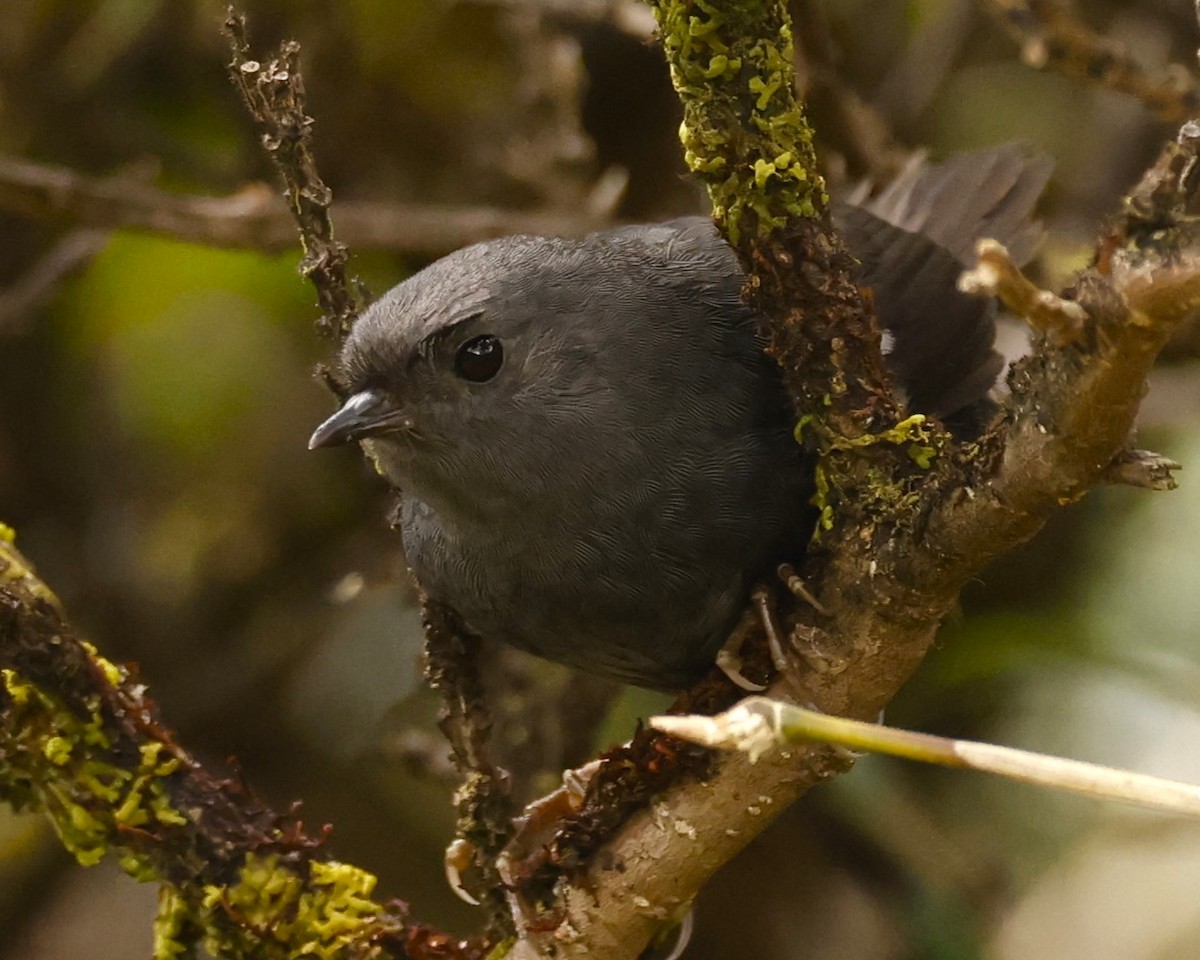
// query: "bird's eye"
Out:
[479,359]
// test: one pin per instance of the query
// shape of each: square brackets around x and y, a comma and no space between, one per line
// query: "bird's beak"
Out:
[366,414]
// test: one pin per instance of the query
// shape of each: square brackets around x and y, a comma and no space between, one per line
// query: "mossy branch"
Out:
[731,64]
[746,136]
[82,742]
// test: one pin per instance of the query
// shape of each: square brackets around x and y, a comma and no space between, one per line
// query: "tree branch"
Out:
[274,94]
[81,741]
[484,801]
[1052,39]
[256,218]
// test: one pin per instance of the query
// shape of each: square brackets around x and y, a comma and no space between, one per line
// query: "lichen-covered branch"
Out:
[745,134]
[1073,407]
[731,63]
[81,741]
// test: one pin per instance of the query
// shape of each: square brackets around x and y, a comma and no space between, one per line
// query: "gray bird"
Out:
[595,460]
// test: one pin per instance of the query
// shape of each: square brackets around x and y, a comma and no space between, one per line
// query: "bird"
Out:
[596,461]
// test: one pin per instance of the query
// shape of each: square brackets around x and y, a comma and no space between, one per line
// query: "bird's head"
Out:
[457,380]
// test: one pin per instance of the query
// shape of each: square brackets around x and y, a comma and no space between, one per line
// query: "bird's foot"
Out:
[769,617]
[729,657]
[532,831]
[537,824]
[798,588]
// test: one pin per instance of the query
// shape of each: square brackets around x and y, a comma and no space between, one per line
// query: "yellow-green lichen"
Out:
[820,498]
[18,692]
[912,433]
[89,794]
[14,568]
[501,949]
[171,925]
[112,673]
[57,750]
[743,131]
[320,919]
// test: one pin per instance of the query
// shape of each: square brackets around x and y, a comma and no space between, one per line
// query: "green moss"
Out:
[743,131]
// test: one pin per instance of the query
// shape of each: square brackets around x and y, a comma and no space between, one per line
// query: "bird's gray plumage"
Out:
[608,497]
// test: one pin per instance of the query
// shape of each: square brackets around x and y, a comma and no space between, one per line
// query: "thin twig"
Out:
[273,92]
[758,724]
[255,217]
[997,275]
[70,255]
[1052,39]
[484,801]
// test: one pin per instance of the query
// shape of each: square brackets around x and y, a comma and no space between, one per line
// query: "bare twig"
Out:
[1052,39]
[273,92]
[997,275]
[256,217]
[70,255]
[1141,468]
[757,725]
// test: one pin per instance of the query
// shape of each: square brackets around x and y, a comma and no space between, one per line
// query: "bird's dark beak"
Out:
[366,414]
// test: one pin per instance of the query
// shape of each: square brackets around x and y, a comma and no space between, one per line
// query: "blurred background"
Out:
[157,396]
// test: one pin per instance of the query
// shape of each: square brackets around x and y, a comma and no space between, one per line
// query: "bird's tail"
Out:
[913,241]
